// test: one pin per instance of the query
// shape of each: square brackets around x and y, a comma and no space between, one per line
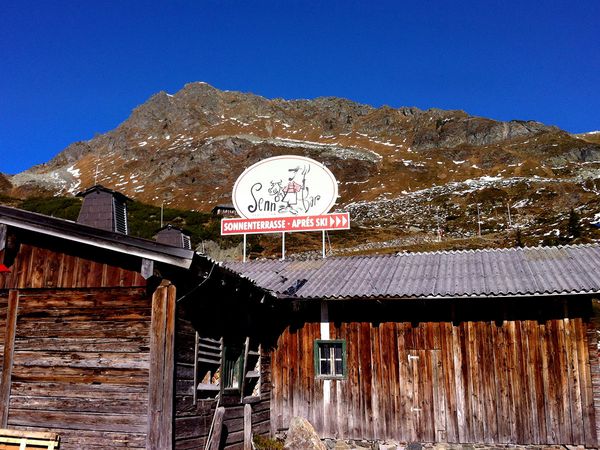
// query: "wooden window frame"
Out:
[317,360]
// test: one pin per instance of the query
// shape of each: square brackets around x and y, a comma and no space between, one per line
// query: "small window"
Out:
[330,358]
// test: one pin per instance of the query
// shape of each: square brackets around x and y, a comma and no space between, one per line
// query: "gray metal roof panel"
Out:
[501,272]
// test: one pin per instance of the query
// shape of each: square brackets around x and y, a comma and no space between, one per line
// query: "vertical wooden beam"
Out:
[160,387]
[169,370]
[9,348]
[247,427]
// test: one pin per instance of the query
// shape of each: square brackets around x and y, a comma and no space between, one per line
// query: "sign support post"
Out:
[282,246]
[244,260]
[323,244]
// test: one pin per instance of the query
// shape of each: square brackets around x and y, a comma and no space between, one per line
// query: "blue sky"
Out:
[70,69]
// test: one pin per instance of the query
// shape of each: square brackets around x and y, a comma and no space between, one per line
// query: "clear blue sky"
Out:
[70,69]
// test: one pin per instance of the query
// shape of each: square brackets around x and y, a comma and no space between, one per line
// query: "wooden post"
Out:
[215,439]
[9,348]
[160,386]
[247,426]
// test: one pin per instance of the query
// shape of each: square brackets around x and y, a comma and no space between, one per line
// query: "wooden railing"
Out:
[28,440]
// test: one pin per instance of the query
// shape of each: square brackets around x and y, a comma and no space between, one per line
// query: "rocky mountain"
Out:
[408,177]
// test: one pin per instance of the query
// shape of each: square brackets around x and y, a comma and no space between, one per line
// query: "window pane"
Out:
[338,351]
[325,367]
[339,367]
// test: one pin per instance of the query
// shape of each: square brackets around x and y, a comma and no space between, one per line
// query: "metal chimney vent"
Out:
[120,213]
[187,242]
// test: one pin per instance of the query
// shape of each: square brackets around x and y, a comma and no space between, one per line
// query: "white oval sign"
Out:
[283,186]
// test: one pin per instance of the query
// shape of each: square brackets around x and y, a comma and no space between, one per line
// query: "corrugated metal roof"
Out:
[472,273]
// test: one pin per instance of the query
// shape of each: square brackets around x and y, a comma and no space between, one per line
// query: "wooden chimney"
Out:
[174,236]
[104,208]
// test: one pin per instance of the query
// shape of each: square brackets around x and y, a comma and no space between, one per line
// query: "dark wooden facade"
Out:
[482,371]
[233,321]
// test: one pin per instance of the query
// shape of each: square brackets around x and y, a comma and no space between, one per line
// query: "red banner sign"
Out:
[287,224]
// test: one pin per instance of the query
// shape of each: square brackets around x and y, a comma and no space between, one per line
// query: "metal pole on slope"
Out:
[162,213]
[478,222]
[509,218]
[283,246]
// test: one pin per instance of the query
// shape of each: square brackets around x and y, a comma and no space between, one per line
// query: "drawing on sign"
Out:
[285,185]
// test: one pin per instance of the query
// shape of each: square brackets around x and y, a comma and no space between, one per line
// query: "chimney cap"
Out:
[100,188]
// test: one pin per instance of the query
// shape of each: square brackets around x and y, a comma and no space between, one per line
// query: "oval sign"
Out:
[283,186]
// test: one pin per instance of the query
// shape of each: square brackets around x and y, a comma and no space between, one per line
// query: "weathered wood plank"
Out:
[446,355]
[547,362]
[74,420]
[374,350]
[574,385]
[74,404]
[587,392]
[80,375]
[105,346]
[81,359]
[81,391]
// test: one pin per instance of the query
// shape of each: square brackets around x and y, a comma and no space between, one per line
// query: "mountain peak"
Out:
[186,149]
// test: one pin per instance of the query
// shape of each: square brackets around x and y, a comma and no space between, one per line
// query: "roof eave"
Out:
[84,238]
[436,297]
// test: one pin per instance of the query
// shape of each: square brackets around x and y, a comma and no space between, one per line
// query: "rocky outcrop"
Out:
[302,436]
[5,184]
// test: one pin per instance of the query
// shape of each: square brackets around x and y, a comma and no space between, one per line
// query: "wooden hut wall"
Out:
[39,267]
[505,372]
[84,347]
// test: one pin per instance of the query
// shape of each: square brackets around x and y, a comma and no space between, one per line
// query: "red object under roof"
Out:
[4,269]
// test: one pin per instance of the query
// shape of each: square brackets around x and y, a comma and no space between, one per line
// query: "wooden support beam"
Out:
[9,348]
[215,439]
[160,387]
[247,427]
